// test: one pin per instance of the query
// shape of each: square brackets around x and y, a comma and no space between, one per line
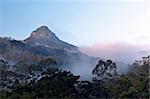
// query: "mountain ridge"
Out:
[42,44]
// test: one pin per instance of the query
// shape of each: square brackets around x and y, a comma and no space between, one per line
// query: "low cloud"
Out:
[117,51]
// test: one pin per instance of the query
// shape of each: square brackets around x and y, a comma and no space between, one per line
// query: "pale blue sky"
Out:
[82,23]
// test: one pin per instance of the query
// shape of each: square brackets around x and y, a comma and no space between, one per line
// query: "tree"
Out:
[139,75]
[131,93]
[123,83]
[93,90]
[54,83]
[105,70]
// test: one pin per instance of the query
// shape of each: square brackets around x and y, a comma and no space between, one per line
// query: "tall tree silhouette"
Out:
[105,70]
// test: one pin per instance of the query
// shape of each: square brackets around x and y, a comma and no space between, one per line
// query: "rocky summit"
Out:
[43,36]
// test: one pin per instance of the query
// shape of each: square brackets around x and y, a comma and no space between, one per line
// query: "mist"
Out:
[84,67]
[122,54]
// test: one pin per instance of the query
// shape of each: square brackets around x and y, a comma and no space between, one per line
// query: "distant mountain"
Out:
[43,44]
[45,37]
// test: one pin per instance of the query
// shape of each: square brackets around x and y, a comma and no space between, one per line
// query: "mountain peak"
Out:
[45,37]
[43,28]
[42,32]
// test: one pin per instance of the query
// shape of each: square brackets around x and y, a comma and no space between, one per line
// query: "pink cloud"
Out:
[117,51]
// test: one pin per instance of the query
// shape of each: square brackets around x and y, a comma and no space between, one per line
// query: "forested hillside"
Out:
[51,82]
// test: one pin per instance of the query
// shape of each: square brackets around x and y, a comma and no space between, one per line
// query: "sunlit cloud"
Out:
[117,51]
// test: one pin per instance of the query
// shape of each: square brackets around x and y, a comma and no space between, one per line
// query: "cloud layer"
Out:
[117,51]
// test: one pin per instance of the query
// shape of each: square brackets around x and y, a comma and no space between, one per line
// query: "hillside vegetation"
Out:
[44,80]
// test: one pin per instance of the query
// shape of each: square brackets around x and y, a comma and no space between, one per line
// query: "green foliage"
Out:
[57,84]
[131,93]
[54,83]
[94,90]
[124,83]
[3,95]
[139,76]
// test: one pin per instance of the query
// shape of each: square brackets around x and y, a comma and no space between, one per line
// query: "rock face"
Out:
[44,37]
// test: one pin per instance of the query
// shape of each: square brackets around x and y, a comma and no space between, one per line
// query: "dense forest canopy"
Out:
[44,81]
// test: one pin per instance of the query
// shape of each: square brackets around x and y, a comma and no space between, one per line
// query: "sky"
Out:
[82,23]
